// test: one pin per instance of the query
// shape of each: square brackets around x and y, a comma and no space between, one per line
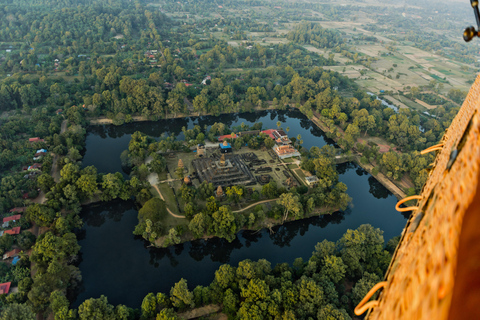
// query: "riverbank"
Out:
[398,191]
[104,120]
[398,188]
[266,224]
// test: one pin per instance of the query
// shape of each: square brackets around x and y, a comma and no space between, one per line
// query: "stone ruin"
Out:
[227,170]
[263,179]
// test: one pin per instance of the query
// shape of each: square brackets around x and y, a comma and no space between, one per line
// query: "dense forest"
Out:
[64,63]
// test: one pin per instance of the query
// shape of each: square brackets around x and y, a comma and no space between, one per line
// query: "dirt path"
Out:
[55,173]
[200,312]
[153,179]
[254,204]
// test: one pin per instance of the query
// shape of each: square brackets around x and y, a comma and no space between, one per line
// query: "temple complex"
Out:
[226,170]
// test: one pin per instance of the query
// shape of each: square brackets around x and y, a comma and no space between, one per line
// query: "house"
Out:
[36,139]
[18,209]
[5,287]
[204,82]
[41,150]
[38,156]
[225,147]
[311,180]
[6,220]
[59,111]
[35,166]
[285,151]
[11,253]
[12,231]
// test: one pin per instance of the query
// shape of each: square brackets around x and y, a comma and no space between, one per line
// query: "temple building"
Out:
[225,171]
[279,136]
[286,151]
[225,147]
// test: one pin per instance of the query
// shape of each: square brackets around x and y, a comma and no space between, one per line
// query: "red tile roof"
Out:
[15,217]
[12,253]
[227,136]
[270,133]
[36,139]
[18,209]
[13,231]
[5,287]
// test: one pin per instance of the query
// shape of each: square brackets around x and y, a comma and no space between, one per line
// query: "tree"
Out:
[87,185]
[180,296]
[96,309]
[334,268]
[330,312]
[41,214]
[270,190]
[362,249]
[292,204]
[149,306]
[224,276]
[269,143]
[45,182]
[59,305]
[364,285]
[200,103]
[167,314]
[16,311]
[51,247]
[224,224]
[235,193]
[112,186]
[198,225]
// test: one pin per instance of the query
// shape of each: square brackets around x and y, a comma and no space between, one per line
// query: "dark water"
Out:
[116,264]
[104,144]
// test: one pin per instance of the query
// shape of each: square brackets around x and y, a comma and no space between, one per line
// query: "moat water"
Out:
[118,265]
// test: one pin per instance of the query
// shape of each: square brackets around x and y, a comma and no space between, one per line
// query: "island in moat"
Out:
[251,179]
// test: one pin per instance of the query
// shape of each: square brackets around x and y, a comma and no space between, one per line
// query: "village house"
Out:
[35,139]
[11,254]
[5,287]
[18,209]
[12,231]
[35,166]
[204,82]
[311,180]
[6,220]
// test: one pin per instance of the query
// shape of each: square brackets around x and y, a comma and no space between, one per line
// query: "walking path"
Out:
[153,179]
[254,204]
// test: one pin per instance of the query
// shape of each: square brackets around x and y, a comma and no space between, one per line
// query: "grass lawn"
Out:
[300,175]
[169,197]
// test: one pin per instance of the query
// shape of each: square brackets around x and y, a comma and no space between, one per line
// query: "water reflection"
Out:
[114,262]
[377,189]
[102,152]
